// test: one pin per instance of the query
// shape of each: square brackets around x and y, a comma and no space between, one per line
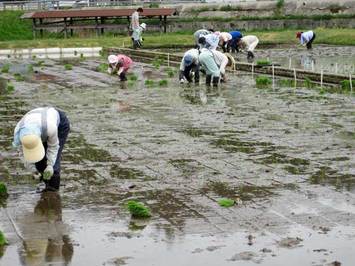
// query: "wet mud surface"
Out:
[285,155]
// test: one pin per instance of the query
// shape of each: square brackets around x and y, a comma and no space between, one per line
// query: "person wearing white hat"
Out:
[42,134]
[224,39]
[190,67]
[137,36]
[201,33]
[119,64]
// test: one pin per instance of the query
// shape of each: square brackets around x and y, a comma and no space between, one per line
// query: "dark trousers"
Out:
[63,131]
[309,44]
[233,45]
[186,73]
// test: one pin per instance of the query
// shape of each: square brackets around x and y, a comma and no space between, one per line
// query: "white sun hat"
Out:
[143,25]
[32,147]
[112,59]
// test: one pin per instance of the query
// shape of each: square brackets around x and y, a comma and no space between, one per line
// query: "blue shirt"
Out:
[236,34]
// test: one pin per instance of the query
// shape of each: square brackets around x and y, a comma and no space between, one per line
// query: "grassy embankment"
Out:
[17,33]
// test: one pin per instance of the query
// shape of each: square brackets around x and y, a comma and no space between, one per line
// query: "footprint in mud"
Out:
[290,242]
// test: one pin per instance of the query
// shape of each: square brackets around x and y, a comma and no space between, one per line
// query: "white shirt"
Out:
[221,60]
[194,53]
[250,42]
[225,36]
[53,120]
[135,20]
[306,37]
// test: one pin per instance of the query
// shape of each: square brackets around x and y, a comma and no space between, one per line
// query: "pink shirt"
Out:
[127,62]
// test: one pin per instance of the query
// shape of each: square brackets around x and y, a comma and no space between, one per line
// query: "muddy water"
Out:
[284,154]
[329,59]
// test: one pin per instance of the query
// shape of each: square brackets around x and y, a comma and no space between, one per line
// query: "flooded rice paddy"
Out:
[285,155]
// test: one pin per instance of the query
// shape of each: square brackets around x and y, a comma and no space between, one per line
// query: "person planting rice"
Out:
[201,33]
[137,36]
[306,38]
[248,43]
[224,38]
[119,64]
[214,63]
[233,43]
[42,134]
[190,66]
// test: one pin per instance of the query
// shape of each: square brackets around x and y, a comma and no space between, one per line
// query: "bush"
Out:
[224,202]
[263,81]
[138,210]
[5,68]
[68,67]
[12,27]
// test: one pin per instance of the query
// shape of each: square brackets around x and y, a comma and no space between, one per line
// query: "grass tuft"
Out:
[263,81]
[3,190]
[132,77]
[5,68]
[224,202]
[138,209]
[102,68]
[345,84]
[149,83]
[18,77]
[163,83]
[263,62]
[10,87]
[68,67]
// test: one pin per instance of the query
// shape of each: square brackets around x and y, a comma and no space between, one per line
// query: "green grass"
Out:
[286,82]
[163,83]
[224,202]
[12,27]
[18,77]
[170,72]
[5,68]
[149,83]
[30,68]
[68,67]
[3,240]
[138,209]
[3,190]
[262,81]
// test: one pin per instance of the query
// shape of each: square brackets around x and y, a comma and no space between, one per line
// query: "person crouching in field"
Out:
[119,64]
[248,43]
[190,67]
[137,36]
[306,38]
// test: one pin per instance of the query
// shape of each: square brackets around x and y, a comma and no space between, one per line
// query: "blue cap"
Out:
[188,59]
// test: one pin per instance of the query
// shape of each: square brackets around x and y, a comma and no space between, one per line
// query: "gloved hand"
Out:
[48,172]
[109,70]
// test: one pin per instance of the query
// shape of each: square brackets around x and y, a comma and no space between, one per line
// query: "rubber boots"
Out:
[208,80]
[215,81]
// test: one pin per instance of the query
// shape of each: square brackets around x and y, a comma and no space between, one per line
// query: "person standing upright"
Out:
[135,19]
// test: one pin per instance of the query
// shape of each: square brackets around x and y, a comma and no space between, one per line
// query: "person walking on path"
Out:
[248,43]
[306,38]
[42,133]
[119,64]
[190,67]
[135,19]
[233,44]
[137,36]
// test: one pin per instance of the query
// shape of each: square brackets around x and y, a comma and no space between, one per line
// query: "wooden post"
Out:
[129,24]
[71,30]
[164,24]
[97,26]
[65,28]
[102,24]
[160,22]
[34,28]
[41,30]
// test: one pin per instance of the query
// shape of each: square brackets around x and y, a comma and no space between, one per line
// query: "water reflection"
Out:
[307,62]
[46,239]
[203,95]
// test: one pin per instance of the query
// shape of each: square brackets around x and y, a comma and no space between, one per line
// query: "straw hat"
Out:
[33,150]
[231,60]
